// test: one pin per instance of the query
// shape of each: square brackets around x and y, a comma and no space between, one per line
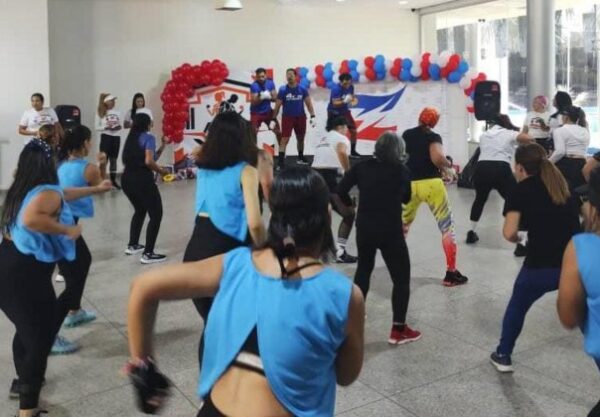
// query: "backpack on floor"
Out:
[465,178]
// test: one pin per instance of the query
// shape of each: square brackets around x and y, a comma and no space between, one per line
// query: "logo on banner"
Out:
[373,110]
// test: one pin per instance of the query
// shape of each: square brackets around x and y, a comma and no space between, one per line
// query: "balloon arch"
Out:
[450,67]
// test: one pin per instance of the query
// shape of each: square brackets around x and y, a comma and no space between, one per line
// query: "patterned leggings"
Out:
[433,193]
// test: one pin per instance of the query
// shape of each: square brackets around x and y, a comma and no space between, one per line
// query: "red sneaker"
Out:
[407,335]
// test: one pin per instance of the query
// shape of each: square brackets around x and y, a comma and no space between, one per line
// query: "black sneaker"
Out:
[302,161]
[472,237]
[345,258]
[116,186]
[454,278]
[595,412]
[133,249]
[354,155]
[502,363]
[520,251]
[152,258]
[13,394]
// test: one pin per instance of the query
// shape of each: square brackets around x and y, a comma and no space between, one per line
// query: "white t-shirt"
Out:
[555,122]
[325,151]
[498,144]
[534,127]
[112,118]
[33,119]
[145,110]
[570,140]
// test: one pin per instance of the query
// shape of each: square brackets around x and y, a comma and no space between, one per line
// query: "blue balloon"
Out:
[305,83]
[328,73]
[407,63]
[414,79]
[355,75]
[405,75]
[330,85]
[379,58]
[463,67]
[352,64]
[329,65]
[379,67]
[303,72]
[454,77]
[381,75]
[435,72]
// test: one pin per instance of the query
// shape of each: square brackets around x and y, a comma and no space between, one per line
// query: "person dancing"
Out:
[108,123]
[341,98]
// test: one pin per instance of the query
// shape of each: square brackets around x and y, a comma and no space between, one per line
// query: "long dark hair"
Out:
[74,140]
[133,154]
[533,158]
[562,100]
[228,142]
[576,115]
[36,166]
[300,222]
[133,106]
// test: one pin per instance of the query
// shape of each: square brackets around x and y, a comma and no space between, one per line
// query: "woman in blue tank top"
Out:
[579,289]
[38,230]
[76,172]
[227,204]
[283,328]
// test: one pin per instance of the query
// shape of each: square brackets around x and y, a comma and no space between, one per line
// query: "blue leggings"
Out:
[531,285]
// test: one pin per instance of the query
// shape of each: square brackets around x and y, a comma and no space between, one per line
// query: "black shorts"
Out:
[330,176]
[110,145]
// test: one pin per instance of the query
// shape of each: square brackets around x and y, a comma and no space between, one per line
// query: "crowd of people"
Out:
[282,328]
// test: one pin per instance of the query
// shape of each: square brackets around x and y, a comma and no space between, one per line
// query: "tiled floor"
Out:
[445,374]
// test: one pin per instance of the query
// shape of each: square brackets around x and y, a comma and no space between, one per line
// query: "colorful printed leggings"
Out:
[433,193]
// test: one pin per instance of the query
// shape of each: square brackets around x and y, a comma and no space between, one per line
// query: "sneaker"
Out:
[78,318]
[63,346]
[116,186]
[343,257]
[502,363]
[152,258]
[59,278]
[133,249]
[400,337]
[13,394]
[355,155]
[472,237]
[302,161]
[454,278]
[520,250]
[595,412]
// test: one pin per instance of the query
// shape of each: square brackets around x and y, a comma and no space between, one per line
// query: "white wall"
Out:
[124,46]
[24,69]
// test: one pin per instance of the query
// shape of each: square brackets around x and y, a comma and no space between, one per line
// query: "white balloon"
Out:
[416,71]
[335,67]
[361,68]
[389,64]
[472,74]
[465,82]
[311,76]
[444,58]
[469,101]
[363,79]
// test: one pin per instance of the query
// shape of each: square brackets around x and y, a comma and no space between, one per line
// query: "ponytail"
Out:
[555,182]
[102,105]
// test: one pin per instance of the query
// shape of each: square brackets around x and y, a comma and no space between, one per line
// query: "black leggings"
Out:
[110,145]
[490,175]
[571,170]
[142,192]
[28,300]
[391,243]
[209,409]
[75,274]
[340,206]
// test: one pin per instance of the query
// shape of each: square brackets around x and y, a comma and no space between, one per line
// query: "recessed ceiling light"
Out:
[339,1]
[402,2]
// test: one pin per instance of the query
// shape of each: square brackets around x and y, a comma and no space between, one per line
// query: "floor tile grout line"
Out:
[104,391]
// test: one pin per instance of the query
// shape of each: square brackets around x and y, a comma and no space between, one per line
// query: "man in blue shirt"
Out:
[262,92]
[342,97]
[292,97]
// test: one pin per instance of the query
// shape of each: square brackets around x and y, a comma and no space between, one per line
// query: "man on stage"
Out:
[342,96]
[262,92]
[293,97]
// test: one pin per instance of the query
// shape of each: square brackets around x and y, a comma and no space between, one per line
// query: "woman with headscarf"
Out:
[428,163]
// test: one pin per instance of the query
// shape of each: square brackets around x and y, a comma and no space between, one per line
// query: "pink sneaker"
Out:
[407,335]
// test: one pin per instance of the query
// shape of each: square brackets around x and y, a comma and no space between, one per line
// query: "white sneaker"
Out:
[59,278]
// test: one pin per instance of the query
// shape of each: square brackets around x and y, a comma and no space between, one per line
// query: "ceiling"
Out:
[411,4]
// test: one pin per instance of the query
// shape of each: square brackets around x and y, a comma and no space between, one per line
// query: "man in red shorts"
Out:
[292,97]
[342,97]
[262,92]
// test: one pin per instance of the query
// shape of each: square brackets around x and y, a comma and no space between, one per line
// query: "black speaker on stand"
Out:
[487,100]
[68,115]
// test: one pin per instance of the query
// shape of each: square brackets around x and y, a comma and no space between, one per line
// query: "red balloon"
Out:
[319,69]
[224,73]
[371,74]
[321,81]
[482,76]
[471,109]
[205,79]
[369,61]
[205,62]
[216,61]
[444,72]
[426,57]
[398,62]
[469,91]
[216,81]
[425,71]
[395,71]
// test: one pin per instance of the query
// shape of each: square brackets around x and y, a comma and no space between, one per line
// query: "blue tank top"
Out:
[300,324]
[44,247]
[72,174]
[587,248]
[219,193]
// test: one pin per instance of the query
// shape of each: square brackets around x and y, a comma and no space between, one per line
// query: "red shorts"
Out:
[257,119]
[295,123]
[349,119]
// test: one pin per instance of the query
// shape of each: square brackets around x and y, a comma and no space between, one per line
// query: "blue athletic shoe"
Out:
[63,346]
[80,317]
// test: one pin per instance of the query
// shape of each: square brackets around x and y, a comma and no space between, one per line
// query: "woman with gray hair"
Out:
[384,185]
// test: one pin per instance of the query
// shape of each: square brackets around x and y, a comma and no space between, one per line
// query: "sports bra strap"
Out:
[287,273]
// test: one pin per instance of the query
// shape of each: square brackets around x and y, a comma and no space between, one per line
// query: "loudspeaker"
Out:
[487,100]
[68,115]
